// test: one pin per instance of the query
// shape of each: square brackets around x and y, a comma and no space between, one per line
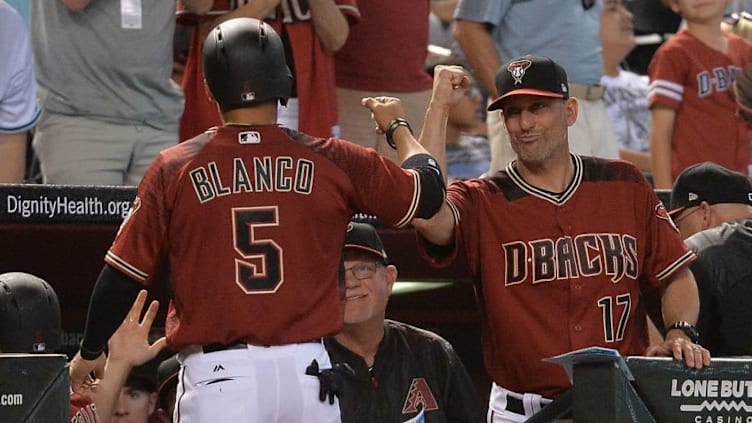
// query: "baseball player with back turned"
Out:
[247,221]
[563,248]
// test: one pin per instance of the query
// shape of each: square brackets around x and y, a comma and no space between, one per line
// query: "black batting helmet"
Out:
[29,315]
[244,64]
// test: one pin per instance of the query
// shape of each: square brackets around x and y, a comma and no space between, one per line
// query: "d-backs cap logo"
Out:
[518,68]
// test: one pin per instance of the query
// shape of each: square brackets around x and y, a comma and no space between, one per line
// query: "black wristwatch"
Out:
[688,329]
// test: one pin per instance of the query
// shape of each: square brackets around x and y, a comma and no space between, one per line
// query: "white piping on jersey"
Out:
[125,267]
[666,88]
[557,199]
[418,189]
[454,210]
[671,268]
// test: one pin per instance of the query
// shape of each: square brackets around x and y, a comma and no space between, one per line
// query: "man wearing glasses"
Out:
[401,373]
[712,207]
[705,195]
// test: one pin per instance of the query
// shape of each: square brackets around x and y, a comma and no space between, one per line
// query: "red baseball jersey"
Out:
[313,68]
[82,409]
[249,223]
[695,80]
[561,272]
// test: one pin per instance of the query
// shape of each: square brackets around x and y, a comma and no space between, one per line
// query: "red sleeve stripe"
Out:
[666,88]
[673,267]
[125,267]
[417,191]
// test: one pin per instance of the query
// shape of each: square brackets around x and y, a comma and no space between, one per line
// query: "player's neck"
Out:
[552,175]
[264,114]
[362,338]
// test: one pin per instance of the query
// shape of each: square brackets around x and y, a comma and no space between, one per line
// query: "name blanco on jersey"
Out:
[257,174]
[585,255]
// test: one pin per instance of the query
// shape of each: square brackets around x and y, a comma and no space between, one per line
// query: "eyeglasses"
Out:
[684,214]
[364,270]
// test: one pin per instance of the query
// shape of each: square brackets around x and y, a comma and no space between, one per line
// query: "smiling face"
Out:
[366,298]
[538,127]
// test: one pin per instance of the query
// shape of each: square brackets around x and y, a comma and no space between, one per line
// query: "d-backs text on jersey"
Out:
[585,255]
[256,174]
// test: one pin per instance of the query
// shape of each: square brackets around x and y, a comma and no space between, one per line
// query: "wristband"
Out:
[87,354]
[396,123]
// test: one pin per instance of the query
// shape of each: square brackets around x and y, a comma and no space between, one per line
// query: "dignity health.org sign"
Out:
[721,393]
[64,203]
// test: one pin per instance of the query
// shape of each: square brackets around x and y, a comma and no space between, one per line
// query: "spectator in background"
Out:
[311,30]
[108,103]
[401,373]
[713,209]
[395,31]
[654,23]
[18,104]
[490,31]
[626,94]
[693,115]
[467,152]
[137,399]
[706,195]
[30,322]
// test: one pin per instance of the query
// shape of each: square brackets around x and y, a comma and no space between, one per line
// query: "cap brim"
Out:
[496,104]
[675,211]
[366,249]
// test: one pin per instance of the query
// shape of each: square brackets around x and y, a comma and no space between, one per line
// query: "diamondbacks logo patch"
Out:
[419,394]
[518,68]
[661,213]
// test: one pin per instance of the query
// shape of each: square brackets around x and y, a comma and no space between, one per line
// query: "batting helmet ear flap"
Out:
[29,314]
[244,64]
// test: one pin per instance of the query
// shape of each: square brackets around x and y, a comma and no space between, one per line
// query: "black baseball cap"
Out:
[709,182]
[362,236]
[536,75]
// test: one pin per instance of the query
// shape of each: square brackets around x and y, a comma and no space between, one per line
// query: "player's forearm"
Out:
[680,300]
[110,301]
[108,388]
[433,135]
[480,52]
[330,24]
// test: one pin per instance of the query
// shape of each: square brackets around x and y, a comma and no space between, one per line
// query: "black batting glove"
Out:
[331,383]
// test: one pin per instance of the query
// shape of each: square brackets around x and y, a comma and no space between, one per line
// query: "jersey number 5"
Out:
[260,271]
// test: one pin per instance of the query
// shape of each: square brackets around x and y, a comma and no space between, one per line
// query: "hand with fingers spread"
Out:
[128,347]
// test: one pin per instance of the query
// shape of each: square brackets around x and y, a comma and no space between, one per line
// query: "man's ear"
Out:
[391,277]
[572,107]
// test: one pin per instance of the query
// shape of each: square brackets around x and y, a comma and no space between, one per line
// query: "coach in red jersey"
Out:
[247,221]
[564,247]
